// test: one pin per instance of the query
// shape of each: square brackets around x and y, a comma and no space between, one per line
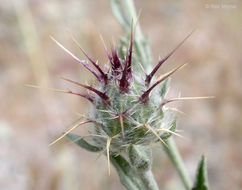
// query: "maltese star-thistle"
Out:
[127,108]
[129,112]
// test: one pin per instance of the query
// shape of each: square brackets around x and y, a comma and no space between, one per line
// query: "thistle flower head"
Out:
[128,104]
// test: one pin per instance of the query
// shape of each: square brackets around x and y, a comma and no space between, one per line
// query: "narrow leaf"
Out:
[201,182]
[82,143]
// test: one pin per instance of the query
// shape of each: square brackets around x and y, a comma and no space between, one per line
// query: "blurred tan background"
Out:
[32,118]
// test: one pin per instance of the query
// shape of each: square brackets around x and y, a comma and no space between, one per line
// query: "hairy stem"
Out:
[140,158]
[177,161]
[133,176]
[127,174]
[148,180]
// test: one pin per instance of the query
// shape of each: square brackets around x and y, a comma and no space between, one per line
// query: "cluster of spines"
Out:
[121,71]
[121,75]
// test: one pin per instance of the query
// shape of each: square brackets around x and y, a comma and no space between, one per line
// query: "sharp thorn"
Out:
[149,77]
[82,62]
[67,132]
[155,133]
[108,156]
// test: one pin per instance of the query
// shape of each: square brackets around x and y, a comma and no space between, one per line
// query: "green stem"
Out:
[148,180]
[134,178]
[140,158]
[127,175]
[177,161]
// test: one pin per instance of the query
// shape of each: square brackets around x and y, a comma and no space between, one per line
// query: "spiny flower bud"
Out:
[128,108]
